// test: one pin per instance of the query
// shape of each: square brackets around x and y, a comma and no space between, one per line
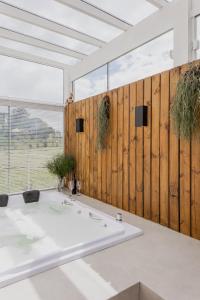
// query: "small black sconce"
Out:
[141,116]
[80,125]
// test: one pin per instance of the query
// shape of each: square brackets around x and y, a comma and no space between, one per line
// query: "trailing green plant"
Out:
[185,110]
[61,165]
[103,119]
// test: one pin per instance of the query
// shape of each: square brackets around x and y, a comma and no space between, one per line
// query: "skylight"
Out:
[69,17]
[46,35]
[131,11]
[38,51]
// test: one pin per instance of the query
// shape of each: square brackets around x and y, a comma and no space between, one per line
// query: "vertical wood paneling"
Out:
[185,182]
[125,204]
[87,146]
[120,146]
[99,174]
[77,140]
[185,187]
[147,151]
[146,170]
[132,158]
[114,127]
[83,139]
[79,162]
[91,147]
[140,156]
[164,149]
[95,156]
[104,169]
[174,161]
[195,209]
[155,162]
[109,157]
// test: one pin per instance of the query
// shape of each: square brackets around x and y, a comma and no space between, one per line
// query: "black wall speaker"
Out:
[141,116]
[79,125]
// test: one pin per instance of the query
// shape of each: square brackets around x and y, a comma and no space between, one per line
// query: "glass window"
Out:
[91,84]
[46,35]
[198,35]
[27,80]
[132,11]
[29,138]
[69,17]
[151,58]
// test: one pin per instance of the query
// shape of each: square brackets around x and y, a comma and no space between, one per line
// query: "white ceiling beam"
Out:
[28,17]
[32,58]
[97,13]
[18,37]
[158,3]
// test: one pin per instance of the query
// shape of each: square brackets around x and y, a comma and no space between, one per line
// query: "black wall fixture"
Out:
[3,200]
[80,125]
[141,116]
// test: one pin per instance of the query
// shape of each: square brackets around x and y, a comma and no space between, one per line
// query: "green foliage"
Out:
[61,165]
[185,110]
[103,122]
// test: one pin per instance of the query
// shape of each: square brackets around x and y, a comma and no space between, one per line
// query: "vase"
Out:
[60,184]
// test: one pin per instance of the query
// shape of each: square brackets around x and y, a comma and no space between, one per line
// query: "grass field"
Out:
[27,169]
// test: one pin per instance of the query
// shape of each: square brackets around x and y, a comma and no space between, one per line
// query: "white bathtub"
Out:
[38,236]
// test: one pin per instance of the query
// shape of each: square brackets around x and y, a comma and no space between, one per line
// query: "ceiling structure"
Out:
[62,33]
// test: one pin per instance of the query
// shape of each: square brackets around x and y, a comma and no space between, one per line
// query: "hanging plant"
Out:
[185,110]
[103,122]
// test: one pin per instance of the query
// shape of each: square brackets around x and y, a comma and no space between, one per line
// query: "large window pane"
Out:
[67,16]
[29,138]
[142,62]
[198,35]
[46,35]
[26,80]
[4,145]
[91,84]
[132,11]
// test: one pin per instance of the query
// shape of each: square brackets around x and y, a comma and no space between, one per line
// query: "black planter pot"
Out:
[31,196]
[3,200]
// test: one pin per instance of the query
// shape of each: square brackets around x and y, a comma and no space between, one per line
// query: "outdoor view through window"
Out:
[29,136]
[28,139]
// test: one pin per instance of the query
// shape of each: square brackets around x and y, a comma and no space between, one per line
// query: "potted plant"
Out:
[61,165]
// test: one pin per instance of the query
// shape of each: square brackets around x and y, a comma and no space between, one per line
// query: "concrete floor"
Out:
[165,261]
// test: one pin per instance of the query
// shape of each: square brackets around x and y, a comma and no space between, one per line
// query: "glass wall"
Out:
[91,84]
[198,35]
[27,80]
[151,58]
[146,60]
[28,139]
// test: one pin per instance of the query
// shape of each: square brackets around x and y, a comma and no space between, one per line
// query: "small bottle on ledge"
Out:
[75,186]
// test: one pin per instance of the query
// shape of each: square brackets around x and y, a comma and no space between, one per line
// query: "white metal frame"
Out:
[34,19]
[178,15]
[97,13]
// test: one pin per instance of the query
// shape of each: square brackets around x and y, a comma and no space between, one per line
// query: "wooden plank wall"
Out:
[148,170]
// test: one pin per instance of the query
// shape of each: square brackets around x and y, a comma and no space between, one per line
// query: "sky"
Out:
[149,59]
